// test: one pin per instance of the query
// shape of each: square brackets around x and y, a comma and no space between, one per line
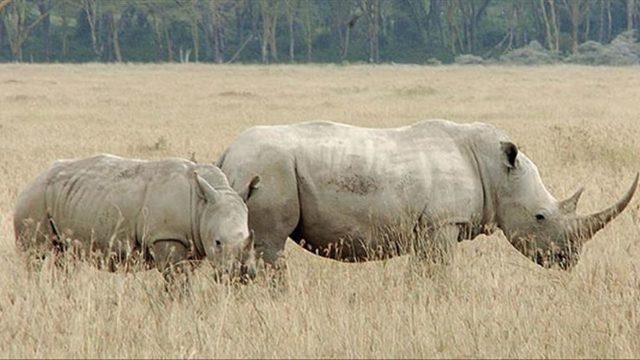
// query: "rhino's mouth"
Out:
[562,259]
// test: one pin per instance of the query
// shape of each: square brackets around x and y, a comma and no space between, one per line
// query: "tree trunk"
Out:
[195,35]
[574,15]
[587,23]
[453,33]
[264,49]
[601,23]
[371,8]
[609,26]
[272,32]
[16,51]
[630,14]
[292,42]
[91,11]
[422,20]
[539,29]
[218,56]
[115,25]
[375,31]
[547,26]
[513,24]
[466,10]
[156,22]
[17,27]
[435,8]
[106,34]
[44,7]
[309,31]
[554,22]
[345,45]
[167,36]
[196,43]
[266,27]
[290,9]
[240,10]
[65,45]
[2,35]
[577,10]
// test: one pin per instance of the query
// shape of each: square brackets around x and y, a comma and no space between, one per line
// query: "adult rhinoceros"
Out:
[164,212]
[338,188]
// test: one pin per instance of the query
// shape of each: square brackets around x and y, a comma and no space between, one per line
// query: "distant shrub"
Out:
[433,61]
[623,50]
[161,144]
[414,91]
[531,54]
[468,59]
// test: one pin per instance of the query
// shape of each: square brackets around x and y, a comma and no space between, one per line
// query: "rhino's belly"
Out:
[349,228]
[106,232]
[360,242]
[354,226]
[97,221]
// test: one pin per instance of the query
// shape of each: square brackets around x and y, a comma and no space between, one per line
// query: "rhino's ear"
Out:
[510,151]
[250,188]
[205,190]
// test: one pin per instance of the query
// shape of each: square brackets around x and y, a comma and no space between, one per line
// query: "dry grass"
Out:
[578,124]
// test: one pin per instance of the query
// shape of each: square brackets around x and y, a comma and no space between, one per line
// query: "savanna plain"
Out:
[578,124]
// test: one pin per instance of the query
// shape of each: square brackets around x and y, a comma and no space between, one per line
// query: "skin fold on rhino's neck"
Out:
[197,209]
[487,221]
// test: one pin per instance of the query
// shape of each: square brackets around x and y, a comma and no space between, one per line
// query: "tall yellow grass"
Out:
[578,124]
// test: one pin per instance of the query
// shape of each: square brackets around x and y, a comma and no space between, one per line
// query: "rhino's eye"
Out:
[540,217]
[218,243]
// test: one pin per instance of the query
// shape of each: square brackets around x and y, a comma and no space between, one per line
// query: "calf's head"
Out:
[224,231]
[542,228]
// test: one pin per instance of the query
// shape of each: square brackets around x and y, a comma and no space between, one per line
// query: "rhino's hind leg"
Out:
[33,234]
[274,215]
[171,257]
[33,241]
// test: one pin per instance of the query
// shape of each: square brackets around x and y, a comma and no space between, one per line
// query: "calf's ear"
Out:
[510,151]
[205,190]
[250,187]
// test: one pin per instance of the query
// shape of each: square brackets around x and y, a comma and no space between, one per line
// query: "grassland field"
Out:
[578,124]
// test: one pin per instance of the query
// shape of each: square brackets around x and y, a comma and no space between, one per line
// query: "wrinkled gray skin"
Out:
[162,212]
[332,187]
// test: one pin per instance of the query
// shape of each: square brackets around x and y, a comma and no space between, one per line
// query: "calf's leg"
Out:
[170,257]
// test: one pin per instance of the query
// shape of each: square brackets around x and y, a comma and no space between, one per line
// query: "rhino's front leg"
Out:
[171,257]
[435,248]
[445,239]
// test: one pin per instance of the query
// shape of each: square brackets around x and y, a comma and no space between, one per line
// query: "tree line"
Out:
[279,31]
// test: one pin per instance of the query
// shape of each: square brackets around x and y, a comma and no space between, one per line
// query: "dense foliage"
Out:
[403,31]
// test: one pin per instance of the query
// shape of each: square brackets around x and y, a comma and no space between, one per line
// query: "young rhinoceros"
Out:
[164,212]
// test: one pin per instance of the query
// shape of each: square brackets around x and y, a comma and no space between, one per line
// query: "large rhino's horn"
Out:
[587,226]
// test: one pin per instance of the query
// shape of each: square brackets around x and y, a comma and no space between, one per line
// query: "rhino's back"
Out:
[361,161]
[105,198]
[318,136]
